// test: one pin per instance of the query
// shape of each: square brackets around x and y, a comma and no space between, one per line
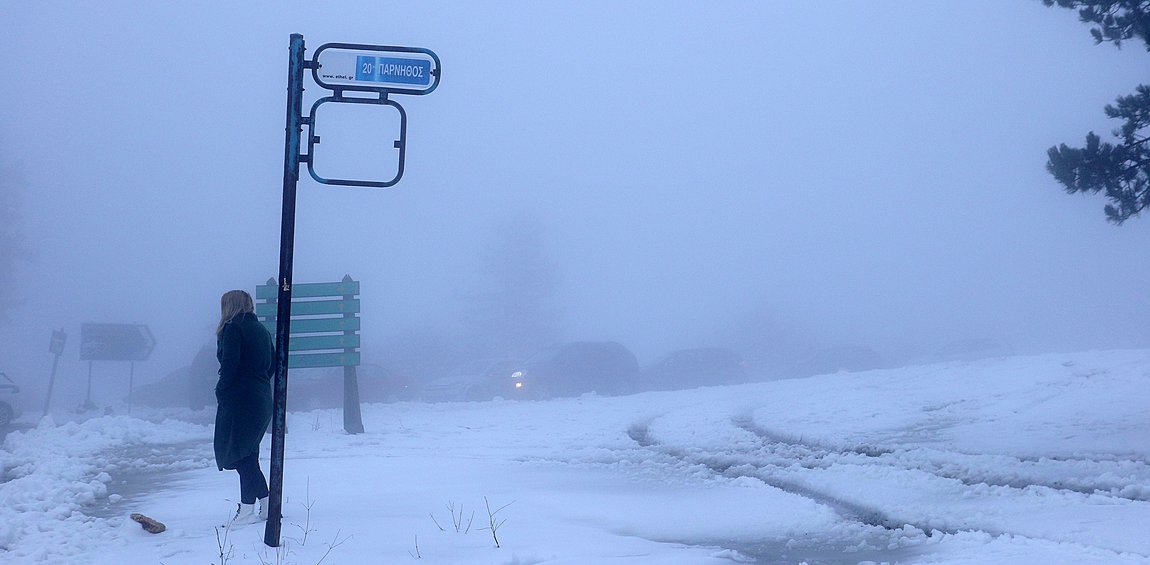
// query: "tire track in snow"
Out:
[870,516]
[959,467]
[777,457]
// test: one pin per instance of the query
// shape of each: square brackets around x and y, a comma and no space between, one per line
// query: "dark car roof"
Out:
[708,353]
[586,351]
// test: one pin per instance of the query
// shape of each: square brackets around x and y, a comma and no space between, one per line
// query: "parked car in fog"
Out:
[574,368]
[483,379]
[191,386]
[690,368]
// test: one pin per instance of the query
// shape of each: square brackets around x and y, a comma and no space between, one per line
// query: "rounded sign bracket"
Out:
[400,144]
[375,68]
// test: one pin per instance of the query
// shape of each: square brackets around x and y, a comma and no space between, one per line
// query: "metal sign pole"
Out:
[363,68]
[88,398]
[283,307]
[51,384]
[131,383]
[56,347]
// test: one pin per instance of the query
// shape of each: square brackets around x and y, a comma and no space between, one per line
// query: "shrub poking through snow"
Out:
[307,504]
[494,523]
[415,554]
[226,550]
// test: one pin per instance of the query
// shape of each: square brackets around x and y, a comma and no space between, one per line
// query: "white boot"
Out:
[245,514]
[263,504]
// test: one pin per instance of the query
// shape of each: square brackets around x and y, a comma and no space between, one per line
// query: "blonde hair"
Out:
[233,303]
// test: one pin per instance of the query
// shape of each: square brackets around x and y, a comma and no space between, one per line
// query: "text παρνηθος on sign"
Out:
[393,70]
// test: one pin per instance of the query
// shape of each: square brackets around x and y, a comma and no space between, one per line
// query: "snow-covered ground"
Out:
[1040,459]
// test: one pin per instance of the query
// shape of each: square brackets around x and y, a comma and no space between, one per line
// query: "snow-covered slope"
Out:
[1041,459]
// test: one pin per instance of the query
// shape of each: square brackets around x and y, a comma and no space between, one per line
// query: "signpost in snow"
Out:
[114,342]
[56,348]
[314,342]
[338,67]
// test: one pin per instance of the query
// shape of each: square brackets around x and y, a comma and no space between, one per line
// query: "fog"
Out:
[776,178]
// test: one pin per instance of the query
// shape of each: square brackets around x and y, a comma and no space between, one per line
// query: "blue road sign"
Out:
[393,70]
[376,68]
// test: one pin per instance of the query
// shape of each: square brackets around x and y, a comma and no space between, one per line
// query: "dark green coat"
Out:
[244,391]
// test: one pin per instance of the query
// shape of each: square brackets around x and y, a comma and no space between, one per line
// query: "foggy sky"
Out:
[869,173]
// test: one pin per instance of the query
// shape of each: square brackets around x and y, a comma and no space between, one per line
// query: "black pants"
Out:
[253,485]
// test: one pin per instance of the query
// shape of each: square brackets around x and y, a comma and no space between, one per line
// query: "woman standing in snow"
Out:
[244,393]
